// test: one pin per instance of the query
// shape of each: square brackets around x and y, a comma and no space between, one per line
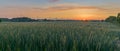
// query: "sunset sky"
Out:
[60,9]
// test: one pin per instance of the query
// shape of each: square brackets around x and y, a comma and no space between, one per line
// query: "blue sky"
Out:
[47,2]
[111,7]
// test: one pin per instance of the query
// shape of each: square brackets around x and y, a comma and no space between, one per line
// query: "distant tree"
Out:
[4,20]
[45,19]
[118,18]
[0,20]
[111,19]
[21,19]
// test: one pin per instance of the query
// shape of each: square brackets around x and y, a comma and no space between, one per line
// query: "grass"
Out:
[59,36]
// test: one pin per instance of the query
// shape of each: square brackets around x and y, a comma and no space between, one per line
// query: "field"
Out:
[59,36]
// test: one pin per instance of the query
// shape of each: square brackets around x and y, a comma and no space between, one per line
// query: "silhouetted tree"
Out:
[21,19]
[0,20]
[118,18]
[4,20]
[111,19]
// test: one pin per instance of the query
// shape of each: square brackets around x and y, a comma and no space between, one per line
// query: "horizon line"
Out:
[49,18]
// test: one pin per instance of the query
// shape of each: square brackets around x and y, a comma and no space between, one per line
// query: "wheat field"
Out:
[59,36]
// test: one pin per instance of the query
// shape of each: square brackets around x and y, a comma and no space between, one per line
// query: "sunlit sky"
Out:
[60,9]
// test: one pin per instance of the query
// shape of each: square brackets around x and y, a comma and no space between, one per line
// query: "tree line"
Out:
[21,19]
[27,19]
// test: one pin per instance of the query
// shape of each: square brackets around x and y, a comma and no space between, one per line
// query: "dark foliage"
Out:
[111,19]
[0,20]
[118,18]
[22,19]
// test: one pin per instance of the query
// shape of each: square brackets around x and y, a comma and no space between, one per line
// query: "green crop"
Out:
[59,36]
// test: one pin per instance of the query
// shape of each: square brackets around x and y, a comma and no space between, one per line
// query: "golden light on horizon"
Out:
[85,14]
[75,14]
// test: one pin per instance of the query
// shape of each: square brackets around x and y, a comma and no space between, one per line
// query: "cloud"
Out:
[53,0]
[59,7]
[69,7]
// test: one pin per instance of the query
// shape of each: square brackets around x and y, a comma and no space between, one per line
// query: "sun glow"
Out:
[85,14]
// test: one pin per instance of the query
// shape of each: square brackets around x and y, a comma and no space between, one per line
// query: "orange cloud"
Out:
[69,7]
[53,0]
